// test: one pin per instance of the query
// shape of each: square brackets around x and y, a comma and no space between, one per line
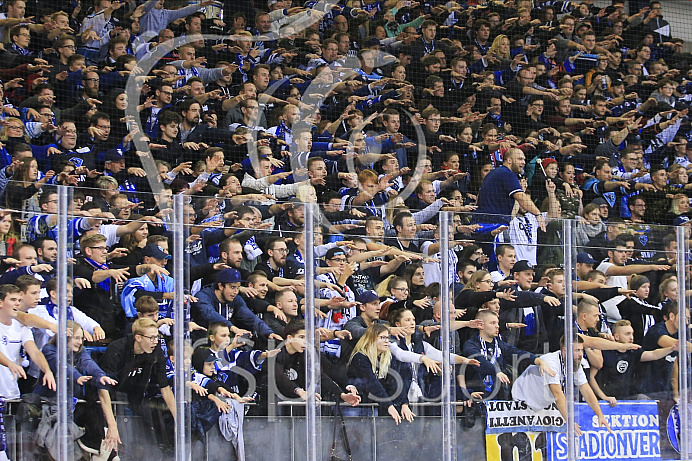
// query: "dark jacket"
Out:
[488,370]
[134,373]
[82,365]
[209,309]
[360,374]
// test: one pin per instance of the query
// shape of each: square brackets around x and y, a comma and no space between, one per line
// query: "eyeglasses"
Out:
[99,248]
[487,280]
[167,93]
[280,250]
[152,339]
[103,127]
[383,338]
[70,47]
[91,80]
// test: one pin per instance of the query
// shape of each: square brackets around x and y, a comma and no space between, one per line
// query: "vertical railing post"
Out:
[63,393]
[312,352]
[448,388]
[179,327]
[683,381]
[567,249]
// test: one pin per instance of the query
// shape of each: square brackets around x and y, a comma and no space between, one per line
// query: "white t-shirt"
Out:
[12,338]
[620,281]
[523,235]
[110,232]
[433,271]
[498,275]
[43,336]
[533,388]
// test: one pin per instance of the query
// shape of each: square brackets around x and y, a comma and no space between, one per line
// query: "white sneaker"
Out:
[103,453]
[85,448]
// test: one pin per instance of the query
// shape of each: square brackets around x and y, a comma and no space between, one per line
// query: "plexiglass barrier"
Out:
[276,314]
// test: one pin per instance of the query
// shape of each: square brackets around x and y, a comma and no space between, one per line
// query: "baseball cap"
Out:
[201,356]
[521,266]
[372,41]
[228,276]
[367,297]
[599,201]
[154,251]
[334,252]
[113,155]
[680,220]
[585,258]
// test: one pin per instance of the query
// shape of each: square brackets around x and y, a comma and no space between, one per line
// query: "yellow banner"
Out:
[517,446]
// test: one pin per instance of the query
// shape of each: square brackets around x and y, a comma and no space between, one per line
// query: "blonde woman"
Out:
[369,372]
[500,47]
[13,132]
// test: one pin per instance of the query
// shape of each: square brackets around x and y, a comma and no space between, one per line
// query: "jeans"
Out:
[355,412]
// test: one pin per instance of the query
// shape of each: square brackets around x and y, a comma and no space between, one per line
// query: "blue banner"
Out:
[514,429]
[635,436]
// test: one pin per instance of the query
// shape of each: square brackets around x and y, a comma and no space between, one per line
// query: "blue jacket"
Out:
[209,309]
[360,375]
[82,365]
[475,376]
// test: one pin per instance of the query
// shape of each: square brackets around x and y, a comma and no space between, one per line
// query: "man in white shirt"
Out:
[433,270]
[49,312]
[529,385]
[506,257]
[14,336]
[617,274]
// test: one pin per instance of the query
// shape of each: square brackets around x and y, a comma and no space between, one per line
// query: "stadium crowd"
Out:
[513,115]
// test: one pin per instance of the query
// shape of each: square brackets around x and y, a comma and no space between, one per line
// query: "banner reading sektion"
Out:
[635,435]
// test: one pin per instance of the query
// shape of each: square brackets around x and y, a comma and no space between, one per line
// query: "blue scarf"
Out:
[281,131]
[489,380]
[50,307]
[105,284]
[20,50]
[183,73]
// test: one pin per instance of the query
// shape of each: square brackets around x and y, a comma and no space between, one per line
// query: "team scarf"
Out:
[3,433]
[20,50]
[281,131]
[50,307]
[489,381]
[105,284]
